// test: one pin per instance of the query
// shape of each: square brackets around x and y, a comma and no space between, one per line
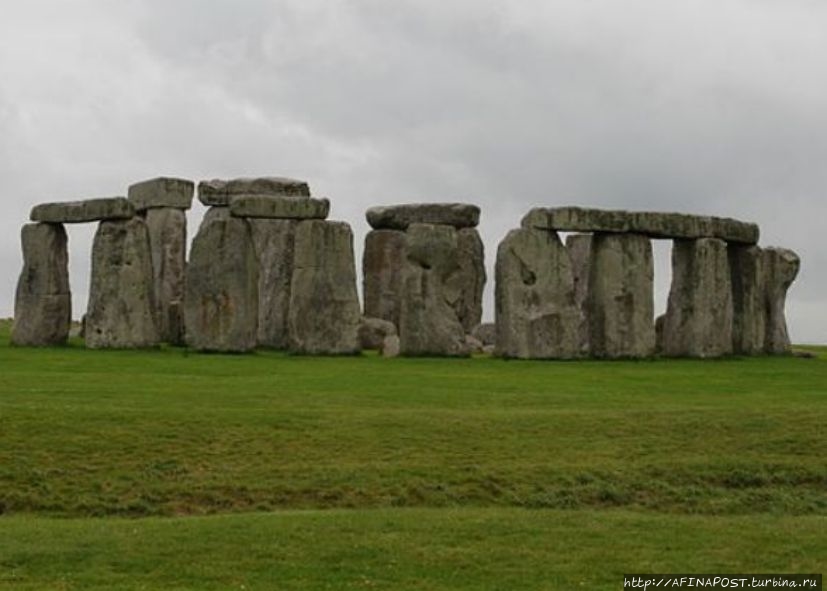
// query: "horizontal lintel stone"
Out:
[162,192]
[219,192]
[652,224]
[279,207]
[399,217]
[90,210]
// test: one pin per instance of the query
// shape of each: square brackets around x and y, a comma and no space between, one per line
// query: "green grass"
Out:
[555,470]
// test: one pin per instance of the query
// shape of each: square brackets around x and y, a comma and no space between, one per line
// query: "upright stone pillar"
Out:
[121,312]
[748,299]
[324,315]
[699,312]
[781,267]
[382,264]
[472,277]
[221,304]
[163,203]
[429,324]
[537,316]
[621,305]
[274,240]
[580,251]
[43,302]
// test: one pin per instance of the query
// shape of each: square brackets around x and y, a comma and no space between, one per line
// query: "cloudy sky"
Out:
[709,106]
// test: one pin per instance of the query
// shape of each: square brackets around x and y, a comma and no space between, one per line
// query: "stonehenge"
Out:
[423,270]
[267,269]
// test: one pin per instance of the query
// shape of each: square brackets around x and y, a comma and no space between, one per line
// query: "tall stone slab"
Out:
[621,297]
[749,319]
[383,262]
[43,302]
[221,304]
[429,324]
[580,251]
[168,242]
[121,312]
[781,267]
[537,316]
[699,311]
[324,315]
[275,247]
[472,277]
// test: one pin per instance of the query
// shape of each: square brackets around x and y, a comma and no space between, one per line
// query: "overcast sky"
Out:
[710,106]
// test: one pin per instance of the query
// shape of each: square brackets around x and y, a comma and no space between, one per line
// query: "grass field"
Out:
[169,470]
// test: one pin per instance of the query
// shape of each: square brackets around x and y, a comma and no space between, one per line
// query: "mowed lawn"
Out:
[173,470]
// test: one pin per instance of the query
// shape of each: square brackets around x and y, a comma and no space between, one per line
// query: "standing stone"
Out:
[621,301]
[432,277]
[274,242]
[537,317]
[580,251]
[43,303]
[699,310]
[781,267]
[168,241]
[121,312]
[221,304]
[382,265]
[748,299]
[472,277]
[324,311]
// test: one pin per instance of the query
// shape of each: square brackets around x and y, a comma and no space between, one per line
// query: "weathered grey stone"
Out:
[428,323]
[486,333]
[660,321]
[473,344]
[121,311]
[536,313]
[221,304]
[399,217]
[43,302]
[168,241]
[781,267]
[489,349]
[279,207]
[580,251]
[472,277]
[214,214]
[324,312]
[162,192]
[373,331]
[699,310]
[91,210]
[652,224]
[383,263]
[390,346]
[275,242]
[219,192]
[621,301]
[748,299]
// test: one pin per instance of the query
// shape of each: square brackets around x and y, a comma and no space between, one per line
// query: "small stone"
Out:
[162,192]
[91,210]
[279,207]
[473,344]
[219,192]
[373,331]
[121,311]
[489,349]
[43,302]
[399,217]
[390,346]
